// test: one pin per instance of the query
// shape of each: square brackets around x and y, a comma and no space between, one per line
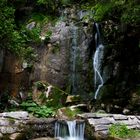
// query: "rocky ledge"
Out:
[20,126]
[97,124]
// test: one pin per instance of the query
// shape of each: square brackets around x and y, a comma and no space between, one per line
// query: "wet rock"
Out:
[55,62]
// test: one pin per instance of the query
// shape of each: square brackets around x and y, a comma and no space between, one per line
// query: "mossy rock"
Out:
[49,94]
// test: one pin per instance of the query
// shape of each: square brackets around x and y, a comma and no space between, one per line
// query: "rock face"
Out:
[120,71]
[12,75]
[97,125]
[19,126]
[64,60]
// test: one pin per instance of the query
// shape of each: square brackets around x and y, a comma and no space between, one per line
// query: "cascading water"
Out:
[97,61]
[69,131]
[74,52]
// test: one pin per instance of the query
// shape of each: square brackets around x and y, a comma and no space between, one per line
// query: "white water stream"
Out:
[69,131]
[97,61]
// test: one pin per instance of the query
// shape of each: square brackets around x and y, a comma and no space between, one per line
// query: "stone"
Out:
[120,117]
[138,117]
[17,136]
[100,127]
[4,122]
[39,121]
[16,115]
[101,121]
[126,111]
[132,127]
[86,115]
[1,135]
[82,107]
[44,138]
[31,25]
[55,62]
[61,113]
[127,122]
[72,99]
[8,129]
[94,115]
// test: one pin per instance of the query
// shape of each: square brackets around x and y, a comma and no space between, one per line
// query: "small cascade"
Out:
[97,61]
[74,53]
[69,130]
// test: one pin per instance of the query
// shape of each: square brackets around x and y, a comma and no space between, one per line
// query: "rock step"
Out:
[101,122]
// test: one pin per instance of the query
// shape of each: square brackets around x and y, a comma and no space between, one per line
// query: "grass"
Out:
[122,131]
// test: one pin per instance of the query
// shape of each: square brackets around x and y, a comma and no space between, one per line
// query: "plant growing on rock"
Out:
[37,110]
[122,131]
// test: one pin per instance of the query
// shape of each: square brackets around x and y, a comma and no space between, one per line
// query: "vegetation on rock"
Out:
[122,131]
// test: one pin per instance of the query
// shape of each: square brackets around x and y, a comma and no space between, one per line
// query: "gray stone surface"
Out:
[55,60]
[94,115]
[8,129]
[17,136]
[101,121]
[4,122]
[100,127]
[16,115]
[19,124]
[120,117]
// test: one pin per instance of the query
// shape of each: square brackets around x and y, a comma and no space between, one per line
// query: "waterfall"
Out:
[74,53]
[69,131]
[97,61]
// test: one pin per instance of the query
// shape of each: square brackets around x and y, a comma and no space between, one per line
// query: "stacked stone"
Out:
[101,122]
[12,124]
[19,126]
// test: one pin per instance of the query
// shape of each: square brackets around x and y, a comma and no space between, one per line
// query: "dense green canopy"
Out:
[16,38]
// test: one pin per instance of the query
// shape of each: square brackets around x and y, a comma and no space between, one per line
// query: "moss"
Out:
[11,121]
[56,49]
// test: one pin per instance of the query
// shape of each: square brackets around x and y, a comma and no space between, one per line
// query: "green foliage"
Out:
[131,15]
[14,39]
[71,113]
[48,36]
[120,10]
[121,131]
[37,110]
[57,96]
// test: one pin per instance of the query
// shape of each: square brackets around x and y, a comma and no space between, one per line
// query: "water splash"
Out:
[97,61]
[69,131]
